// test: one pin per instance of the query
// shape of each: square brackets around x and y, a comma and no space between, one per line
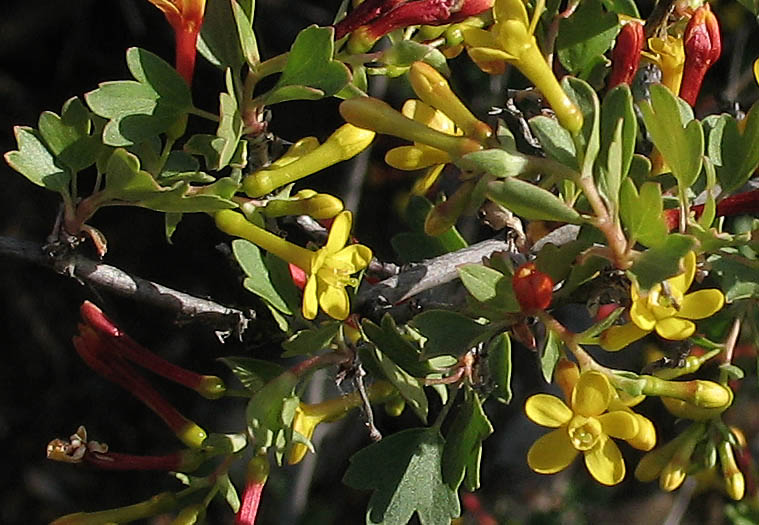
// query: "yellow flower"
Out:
[331,270]
[511,40]
[669,54]
[665,308]
[584,426]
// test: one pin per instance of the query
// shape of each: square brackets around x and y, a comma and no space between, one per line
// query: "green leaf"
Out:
[312,340]
[416,245]
[35,162]
[230,123]
[642,214]
[581,273]
[590,335]
[409,387]
[219,40]
[662,262]
[310,71]
[258,280]
[676,134]
[405,52]
[558,261]
[587,34]
[751,5]
[404,473]
[137,111]
[279,274]
[489,286]
[556,141]
[622,7]
[400,349]
[588,140]
[447,332]
[252,373]
[530,201]
[228,492]
[550,354]
[495,162]
[738,276]
[68,136]
[463,446]
[243,13]
[619,129]
[264,411]
[734,154]
[499,367]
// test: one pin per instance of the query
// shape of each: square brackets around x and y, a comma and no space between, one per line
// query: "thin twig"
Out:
[100,275]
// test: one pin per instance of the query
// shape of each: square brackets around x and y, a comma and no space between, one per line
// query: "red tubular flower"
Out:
[702,48]
[255,479]
[186,17]
[626,54]
[210,387]
[100,356]
[396,15]
[532,288]
[363,14]
[298,276]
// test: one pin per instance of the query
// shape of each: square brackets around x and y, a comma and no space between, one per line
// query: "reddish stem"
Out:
[740,204]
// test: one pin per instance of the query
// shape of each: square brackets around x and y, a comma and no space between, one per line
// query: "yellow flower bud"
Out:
[305,202]
[434,89]
[735,484]
[345,143]
[192,435]
[375,114]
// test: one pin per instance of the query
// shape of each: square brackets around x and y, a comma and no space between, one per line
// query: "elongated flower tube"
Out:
[735,483]
[665,308]
[158,504]
[703,47]
[308,417]
[99,355]
[433,89]
[186,17]
[584,426]
[78,449]
[305,202]
[346,142]
[210,387]
[255,478]
[330,268]
[379,116]
[626,54]
[511,40]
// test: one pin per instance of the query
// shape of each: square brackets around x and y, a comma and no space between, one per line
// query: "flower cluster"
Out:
[666,308]
[594,415]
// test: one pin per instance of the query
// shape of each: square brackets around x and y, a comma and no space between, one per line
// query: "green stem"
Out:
[204,114]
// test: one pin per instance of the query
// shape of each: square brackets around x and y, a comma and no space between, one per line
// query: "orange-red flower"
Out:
[186,17]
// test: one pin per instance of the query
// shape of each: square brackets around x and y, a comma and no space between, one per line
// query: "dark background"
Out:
[51,50]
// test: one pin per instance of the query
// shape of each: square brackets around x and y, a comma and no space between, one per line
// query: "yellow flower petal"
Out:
[486,55]
[310,300]
[591,394]
[551,453]
[645,439]
[641,315]
[756,70]
[339,232]
[701,304]
[547,410]
[605,462]
[511,10]
[683,281]
[476,37]
[675,329]
[618,337]
[423,184]
[355,256]
[619,424]
[429,116]
[334,301]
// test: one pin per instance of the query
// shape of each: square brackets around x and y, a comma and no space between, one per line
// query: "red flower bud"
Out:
[533,288]
[255,479]
[702,48]
[746,203]
[626,54]
[298,276]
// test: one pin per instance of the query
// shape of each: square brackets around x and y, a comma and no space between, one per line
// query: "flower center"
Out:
[584,432]
[337,273]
